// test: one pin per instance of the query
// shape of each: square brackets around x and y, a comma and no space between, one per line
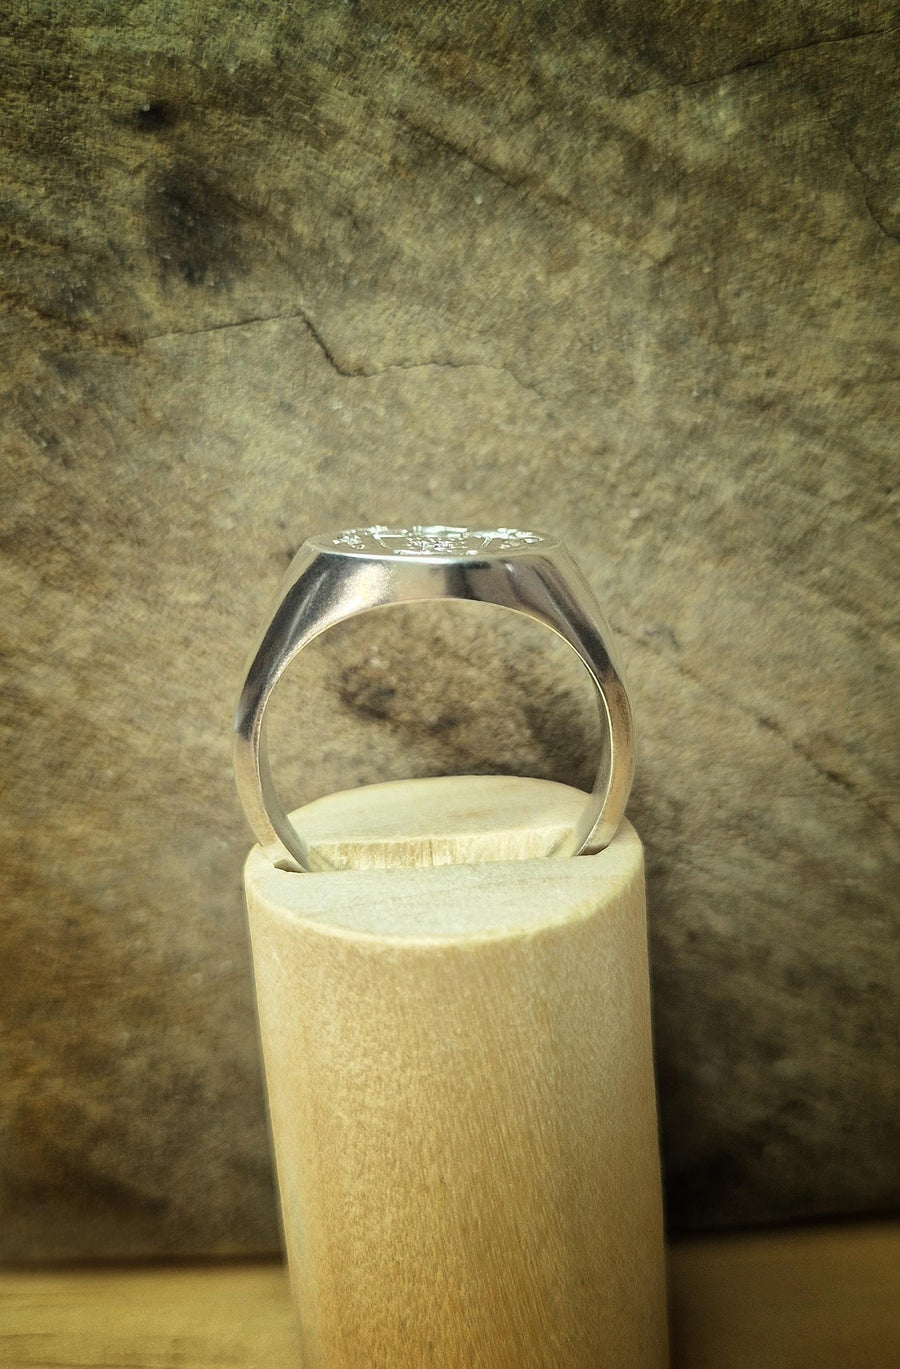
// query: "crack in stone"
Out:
[340,367]
[513,180]
[220,327]
[760,61]
[864,179]
[853,382]
[449,364]
[770,724]
[522,181]
[84,329]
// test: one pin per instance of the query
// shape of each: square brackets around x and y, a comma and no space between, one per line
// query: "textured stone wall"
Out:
[627,272]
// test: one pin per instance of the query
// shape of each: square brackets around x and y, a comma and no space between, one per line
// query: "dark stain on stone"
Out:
[59,1175]
[366,695]
[560,732]
[665,633]
[629,32]
[65,364]
[195,229]
[75,298]
[771,1047]
[836,778]
[53,447]
[155,116]
[446,722]
[546,21]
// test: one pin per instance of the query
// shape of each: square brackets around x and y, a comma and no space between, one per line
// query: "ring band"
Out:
[333,578]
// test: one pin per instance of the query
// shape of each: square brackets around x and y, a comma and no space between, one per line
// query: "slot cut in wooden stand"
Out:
[456,1033]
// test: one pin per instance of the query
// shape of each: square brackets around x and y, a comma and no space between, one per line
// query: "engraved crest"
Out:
[435,541]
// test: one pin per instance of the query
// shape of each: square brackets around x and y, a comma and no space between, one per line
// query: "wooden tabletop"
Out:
[814,1298]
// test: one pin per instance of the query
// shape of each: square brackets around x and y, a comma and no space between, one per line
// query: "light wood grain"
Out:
[238,1316]
[447,820]
[460,1078]
[815,1298]
[812,1299]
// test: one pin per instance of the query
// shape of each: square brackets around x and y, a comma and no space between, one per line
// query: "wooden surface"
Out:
[460,1079]
[811,1299]
[806,1299]
[443,820]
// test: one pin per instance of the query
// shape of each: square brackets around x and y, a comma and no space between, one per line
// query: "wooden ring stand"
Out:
[456,1033]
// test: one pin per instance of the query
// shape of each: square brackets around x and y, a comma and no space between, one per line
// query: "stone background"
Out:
[624,271]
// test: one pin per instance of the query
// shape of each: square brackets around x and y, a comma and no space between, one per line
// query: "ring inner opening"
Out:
[431,689]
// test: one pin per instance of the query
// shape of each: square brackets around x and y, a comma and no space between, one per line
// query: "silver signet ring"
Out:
[333,578]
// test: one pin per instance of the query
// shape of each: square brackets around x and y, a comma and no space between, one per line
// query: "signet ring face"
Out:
[340,576]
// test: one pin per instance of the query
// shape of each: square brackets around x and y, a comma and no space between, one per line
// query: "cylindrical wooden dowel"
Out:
[460,1083]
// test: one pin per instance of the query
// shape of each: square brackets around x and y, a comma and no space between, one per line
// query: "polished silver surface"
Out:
[338,576]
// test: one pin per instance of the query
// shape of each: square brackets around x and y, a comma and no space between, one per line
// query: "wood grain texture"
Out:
[444,820]
[460,1081]
[193,1318]
[819,1298]
[823,1298]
